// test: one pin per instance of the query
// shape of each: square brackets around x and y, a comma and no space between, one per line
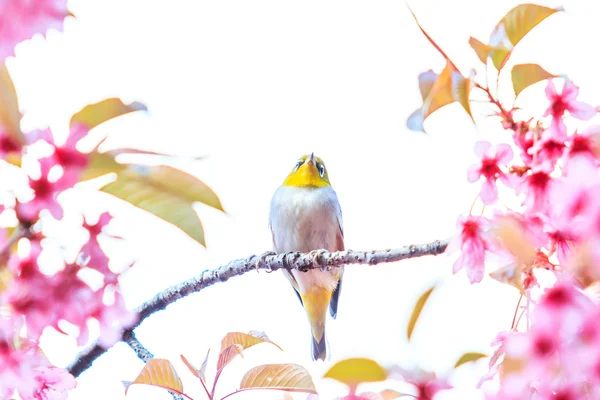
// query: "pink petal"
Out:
[504,153]
[458,264]
[474,173]
[570,91]
[482,148]
[551,90]
[489,192]
[78,132]
[475,273]
[581,110]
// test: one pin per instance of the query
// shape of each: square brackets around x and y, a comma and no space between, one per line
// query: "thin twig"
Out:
[294,260]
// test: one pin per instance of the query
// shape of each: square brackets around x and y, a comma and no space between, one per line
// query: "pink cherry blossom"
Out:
[92,254]
[113,319]
[45,194]
[21,19]
[524,141]
[51,384]
[547,150]
[425,384]
[536,186]
[489,169]
[71,160]
[8,144]
[566,101]
[473,245]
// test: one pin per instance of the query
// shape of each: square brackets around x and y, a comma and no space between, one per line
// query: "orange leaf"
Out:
[481,49]
[198,373]
[160,373]
[287,377]
[227,355]
[245,340]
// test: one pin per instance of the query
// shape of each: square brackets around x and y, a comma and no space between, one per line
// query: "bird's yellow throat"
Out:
[308,172]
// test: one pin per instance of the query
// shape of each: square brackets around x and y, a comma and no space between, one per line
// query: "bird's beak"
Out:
[311,159]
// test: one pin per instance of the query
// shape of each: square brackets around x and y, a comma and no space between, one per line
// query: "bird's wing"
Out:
[289,275]
[335,296]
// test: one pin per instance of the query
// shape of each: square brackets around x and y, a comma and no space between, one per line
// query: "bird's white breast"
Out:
[306,219]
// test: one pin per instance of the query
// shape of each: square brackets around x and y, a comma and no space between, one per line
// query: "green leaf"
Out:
[513,27]
[525,75]
[353,371]
[481,49]
[468,357]
[10,116]
[94,114]
[167,193]
[417,311]
[160,373]
[286,377]
[100,164]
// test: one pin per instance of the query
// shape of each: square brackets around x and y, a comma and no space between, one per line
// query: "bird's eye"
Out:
[321,170]
[298,164]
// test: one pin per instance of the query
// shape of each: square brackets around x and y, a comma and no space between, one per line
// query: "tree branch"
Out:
[293,260]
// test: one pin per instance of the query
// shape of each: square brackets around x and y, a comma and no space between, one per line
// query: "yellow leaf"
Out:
[159,372]
[100,164]
[440,93]
[245,340]
[461,89]
[167,193]
[10,116]
[519,21]
[353,371]
[287,377]
[94,114]
[228,354]
[468,357]
[513,27]
[525,75]
[509,274]
[414,317]
[481,49]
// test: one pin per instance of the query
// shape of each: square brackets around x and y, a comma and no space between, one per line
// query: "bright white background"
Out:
[251,86]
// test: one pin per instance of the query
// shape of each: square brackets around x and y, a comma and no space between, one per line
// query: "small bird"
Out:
[305,216]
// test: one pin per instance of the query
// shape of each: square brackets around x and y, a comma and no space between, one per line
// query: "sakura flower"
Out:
[536,186]
[583,148]
[426,384]
[52,383]
[45,193]
[566,101]
[547,150]
[489,168]
[66,154]
[91,252]
[473,245]
[21,19]
[524,140]
[113,319]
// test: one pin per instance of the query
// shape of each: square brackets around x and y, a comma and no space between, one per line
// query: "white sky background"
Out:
[252,85]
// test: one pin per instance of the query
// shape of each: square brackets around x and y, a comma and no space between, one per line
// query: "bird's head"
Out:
[309,171]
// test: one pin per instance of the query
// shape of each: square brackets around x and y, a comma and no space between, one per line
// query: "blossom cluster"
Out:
[32,298]
[556,228]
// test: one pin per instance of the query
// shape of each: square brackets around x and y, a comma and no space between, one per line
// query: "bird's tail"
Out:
[315,303]
[319,349]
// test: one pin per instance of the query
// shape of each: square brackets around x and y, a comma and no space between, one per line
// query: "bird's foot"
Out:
[261,261]
[315,256]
